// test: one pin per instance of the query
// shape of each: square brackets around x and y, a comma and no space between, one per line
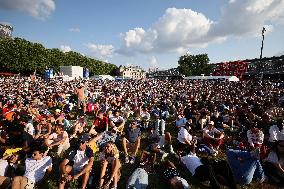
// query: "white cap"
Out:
[211,123]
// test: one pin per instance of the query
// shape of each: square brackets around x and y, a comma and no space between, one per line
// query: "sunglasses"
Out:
[35,154]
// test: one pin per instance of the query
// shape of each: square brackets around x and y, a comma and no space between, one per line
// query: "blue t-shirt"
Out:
[132,134]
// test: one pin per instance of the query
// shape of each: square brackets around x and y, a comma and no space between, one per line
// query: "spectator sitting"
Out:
[145,116]
[245,166]
[100,124]
[17,137]
[37,169]
[184,139]
[131,141]
[9,165]
[43,129]
[79,126]
[207,172]
[79,163]
[212,137]
[157,143]
[159,125]
[255,137]
[117,122]
[172,176]
[276,132]
[110,170]
[58,139]
[139,177]
[180,121]
[29,128]
[59,116]
[203,119]
[274,164]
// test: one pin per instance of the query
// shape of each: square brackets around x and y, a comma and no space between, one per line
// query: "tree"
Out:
[21,56]
[190,65]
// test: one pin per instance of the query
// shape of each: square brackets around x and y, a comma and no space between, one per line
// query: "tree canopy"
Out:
[193,65]
[21,56]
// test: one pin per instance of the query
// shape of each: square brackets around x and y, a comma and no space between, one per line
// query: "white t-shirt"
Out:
[118,119]
[212,132]
[80,160]
[29,128]
[145,115]
[273,158]
[35,169]
[183,135]
[3,167]
[191,162]
[275,134]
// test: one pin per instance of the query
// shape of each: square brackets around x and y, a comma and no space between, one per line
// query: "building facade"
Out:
[132,72]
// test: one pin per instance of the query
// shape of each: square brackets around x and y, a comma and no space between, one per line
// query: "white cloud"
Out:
[75,30]
[279,53]
[65,48]
[175,31]
[259,6]
[180,29]
[153,62]
[36,8]
[247,17]
[6,23]
[101,51]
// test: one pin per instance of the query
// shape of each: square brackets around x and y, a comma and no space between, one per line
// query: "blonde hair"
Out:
[115,151]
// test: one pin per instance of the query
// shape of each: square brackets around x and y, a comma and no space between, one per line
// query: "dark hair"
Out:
[40,148]
[21,155]
[60,126]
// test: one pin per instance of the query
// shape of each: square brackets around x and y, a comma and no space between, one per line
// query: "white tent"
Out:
[233,78]
[229,78]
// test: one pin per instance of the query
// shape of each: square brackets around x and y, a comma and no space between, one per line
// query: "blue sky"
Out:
[150,33]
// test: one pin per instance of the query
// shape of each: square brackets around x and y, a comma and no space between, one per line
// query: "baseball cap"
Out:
[58,110]
[211,123]
[84,138]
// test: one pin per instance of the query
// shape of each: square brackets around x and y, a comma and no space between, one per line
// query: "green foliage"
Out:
[21,56]
[193,65]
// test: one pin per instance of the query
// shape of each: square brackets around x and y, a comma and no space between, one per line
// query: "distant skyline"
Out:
[150,33]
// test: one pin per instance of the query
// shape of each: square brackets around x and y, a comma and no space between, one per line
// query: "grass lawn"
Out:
[155,180]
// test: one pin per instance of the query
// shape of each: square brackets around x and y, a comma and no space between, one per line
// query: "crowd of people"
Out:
[159,126]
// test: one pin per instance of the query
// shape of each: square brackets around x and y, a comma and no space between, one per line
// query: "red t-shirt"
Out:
[101,123]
